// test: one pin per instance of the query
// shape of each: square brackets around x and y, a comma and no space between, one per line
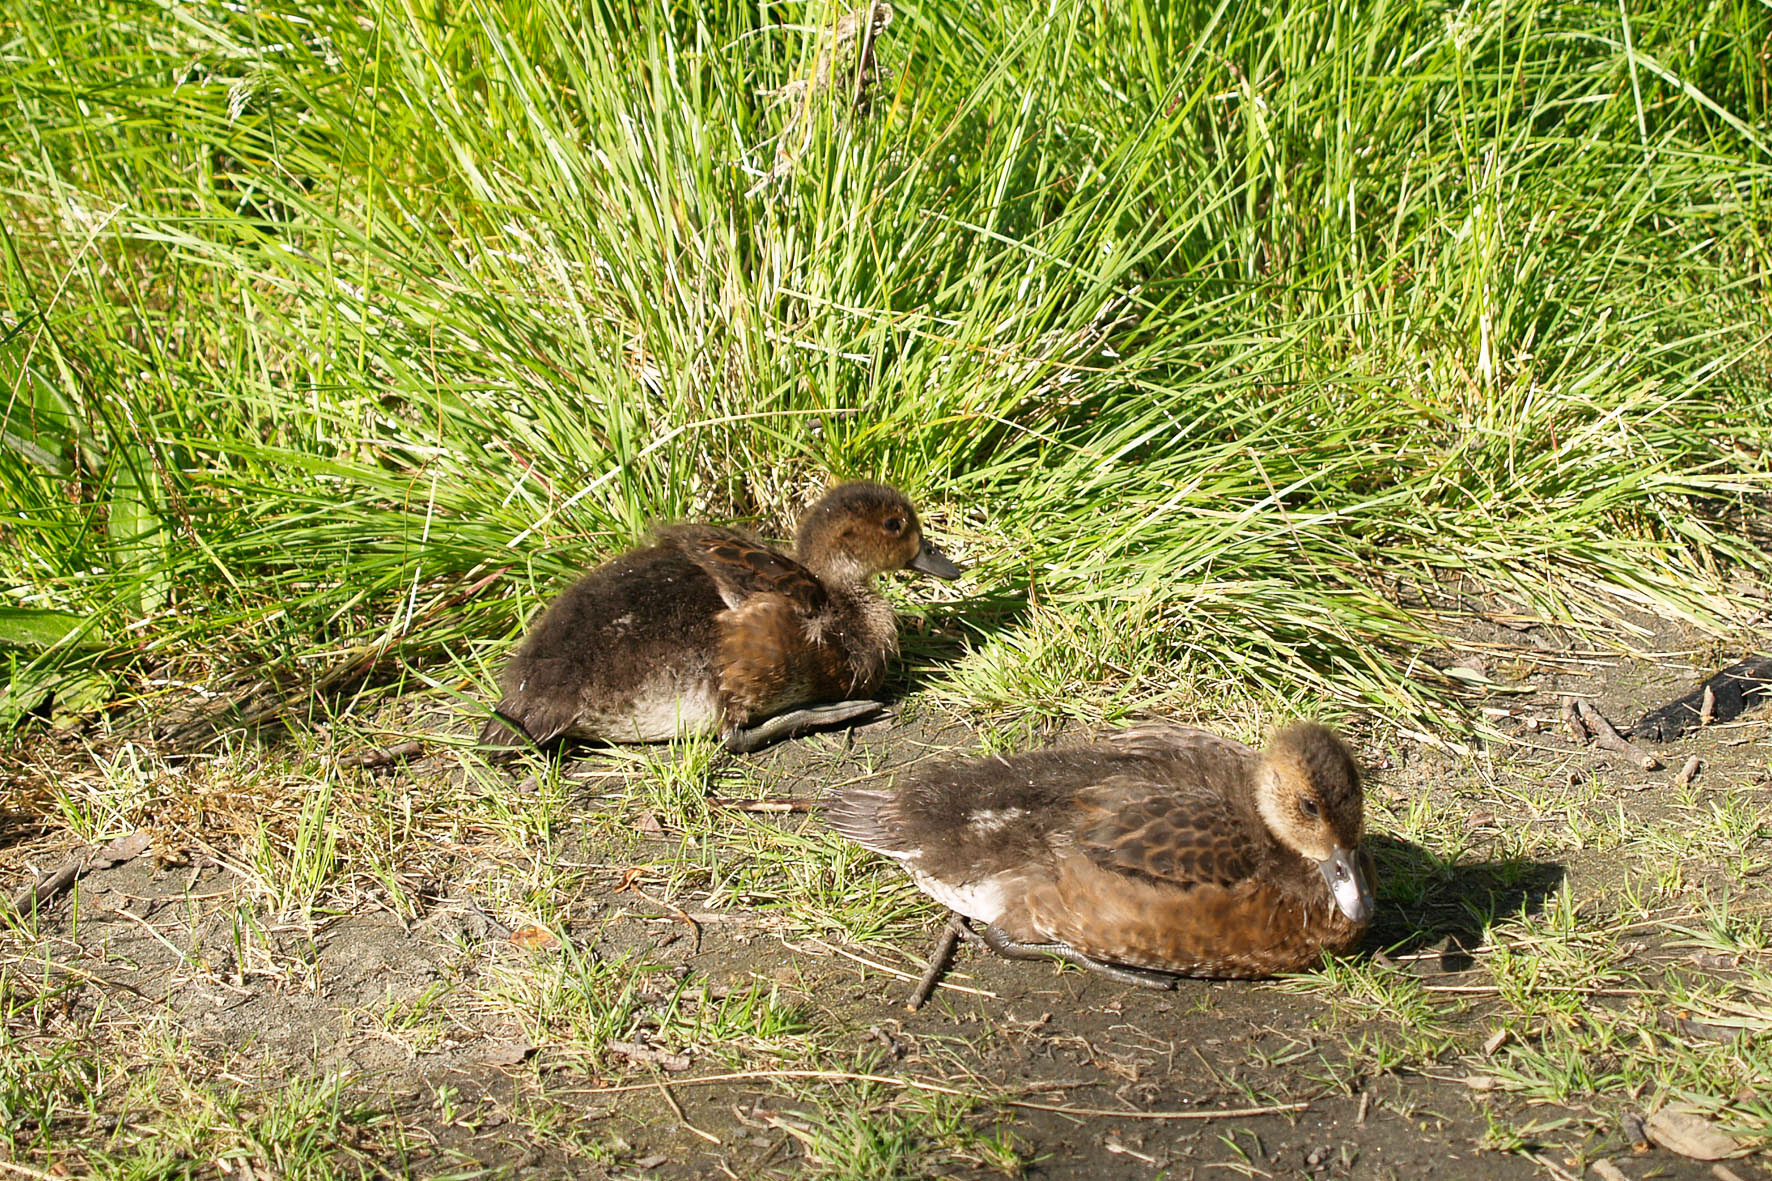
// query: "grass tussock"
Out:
[1216,339]
[337,336]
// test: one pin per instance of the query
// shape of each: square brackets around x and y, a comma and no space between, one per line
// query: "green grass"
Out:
[334,339]
[1222,342]
[144,1106]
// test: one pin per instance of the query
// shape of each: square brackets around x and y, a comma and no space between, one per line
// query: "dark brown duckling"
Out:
[1159,849]
[708,630]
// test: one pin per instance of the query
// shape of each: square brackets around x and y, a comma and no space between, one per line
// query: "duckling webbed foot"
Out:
[1000,942]
[795,723]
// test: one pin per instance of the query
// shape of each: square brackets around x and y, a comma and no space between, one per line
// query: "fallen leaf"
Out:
[1605,1170]
[534,938]
[124,848]
[1689,1135]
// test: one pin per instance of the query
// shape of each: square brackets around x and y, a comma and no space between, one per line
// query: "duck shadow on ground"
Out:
[1427,904]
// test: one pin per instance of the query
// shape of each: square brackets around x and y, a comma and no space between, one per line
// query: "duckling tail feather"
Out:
[500,732]
[856,814]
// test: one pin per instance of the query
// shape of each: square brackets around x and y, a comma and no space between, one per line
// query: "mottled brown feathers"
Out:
[709,629]
[1146,849]
[743,567]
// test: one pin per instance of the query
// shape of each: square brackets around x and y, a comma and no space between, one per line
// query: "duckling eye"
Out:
[893,525]
[1309,808]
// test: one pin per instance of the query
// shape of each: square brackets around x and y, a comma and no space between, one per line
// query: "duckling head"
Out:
[1308,792]
[859,530]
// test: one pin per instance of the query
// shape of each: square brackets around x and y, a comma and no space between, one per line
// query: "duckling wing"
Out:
[1185,753]
[769,662]
[1152,832]
[743,567]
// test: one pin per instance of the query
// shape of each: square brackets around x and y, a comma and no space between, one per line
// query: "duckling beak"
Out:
[932,561]
[1347,881]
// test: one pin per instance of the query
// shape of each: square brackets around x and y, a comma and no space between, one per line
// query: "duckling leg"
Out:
[999,941]
[796,722]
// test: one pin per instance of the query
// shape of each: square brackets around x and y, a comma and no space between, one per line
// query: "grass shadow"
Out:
[936,637]
[1426,902]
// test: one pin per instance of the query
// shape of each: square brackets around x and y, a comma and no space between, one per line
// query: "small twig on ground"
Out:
[939,959]
[1572,719]
[185,958]
[1550,1166]
[1457,748]
[631,882]
[682,1118]
[1689,772]
[664,1059]
[879,967]
[843,1076]
[381,756]
[1607,735]
[46,888]
[764,805]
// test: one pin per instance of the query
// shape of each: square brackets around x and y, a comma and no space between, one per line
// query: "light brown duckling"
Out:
[1159,849]
[708,630]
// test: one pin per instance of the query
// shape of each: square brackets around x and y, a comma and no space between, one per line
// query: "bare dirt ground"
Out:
[666,971]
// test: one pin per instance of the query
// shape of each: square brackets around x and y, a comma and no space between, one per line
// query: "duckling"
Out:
[1159,849]
[708,630]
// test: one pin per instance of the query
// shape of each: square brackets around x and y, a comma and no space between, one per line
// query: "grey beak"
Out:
[1347,882]
[932,561]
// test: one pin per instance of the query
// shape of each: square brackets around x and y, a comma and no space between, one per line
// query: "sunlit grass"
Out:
[1216,340]
[333,342]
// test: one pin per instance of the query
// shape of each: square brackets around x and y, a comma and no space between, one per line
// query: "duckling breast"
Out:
[1251,928]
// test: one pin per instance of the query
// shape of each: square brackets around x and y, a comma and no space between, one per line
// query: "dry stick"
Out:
[638,1053]
[27,900]
[1689,772]
[671,1101]
[939,959]
[27,1171]
[381,756]
[44,889]
[1550,1167]
[843,1076]
[676,910]
[766,806]
[1608,736]
[1572,719]
[879,967]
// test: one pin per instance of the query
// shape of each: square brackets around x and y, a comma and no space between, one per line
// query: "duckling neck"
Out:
[862,625]
[838,572]
[1262,813]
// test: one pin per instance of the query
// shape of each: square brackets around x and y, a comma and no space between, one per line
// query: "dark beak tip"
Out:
[932,561]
